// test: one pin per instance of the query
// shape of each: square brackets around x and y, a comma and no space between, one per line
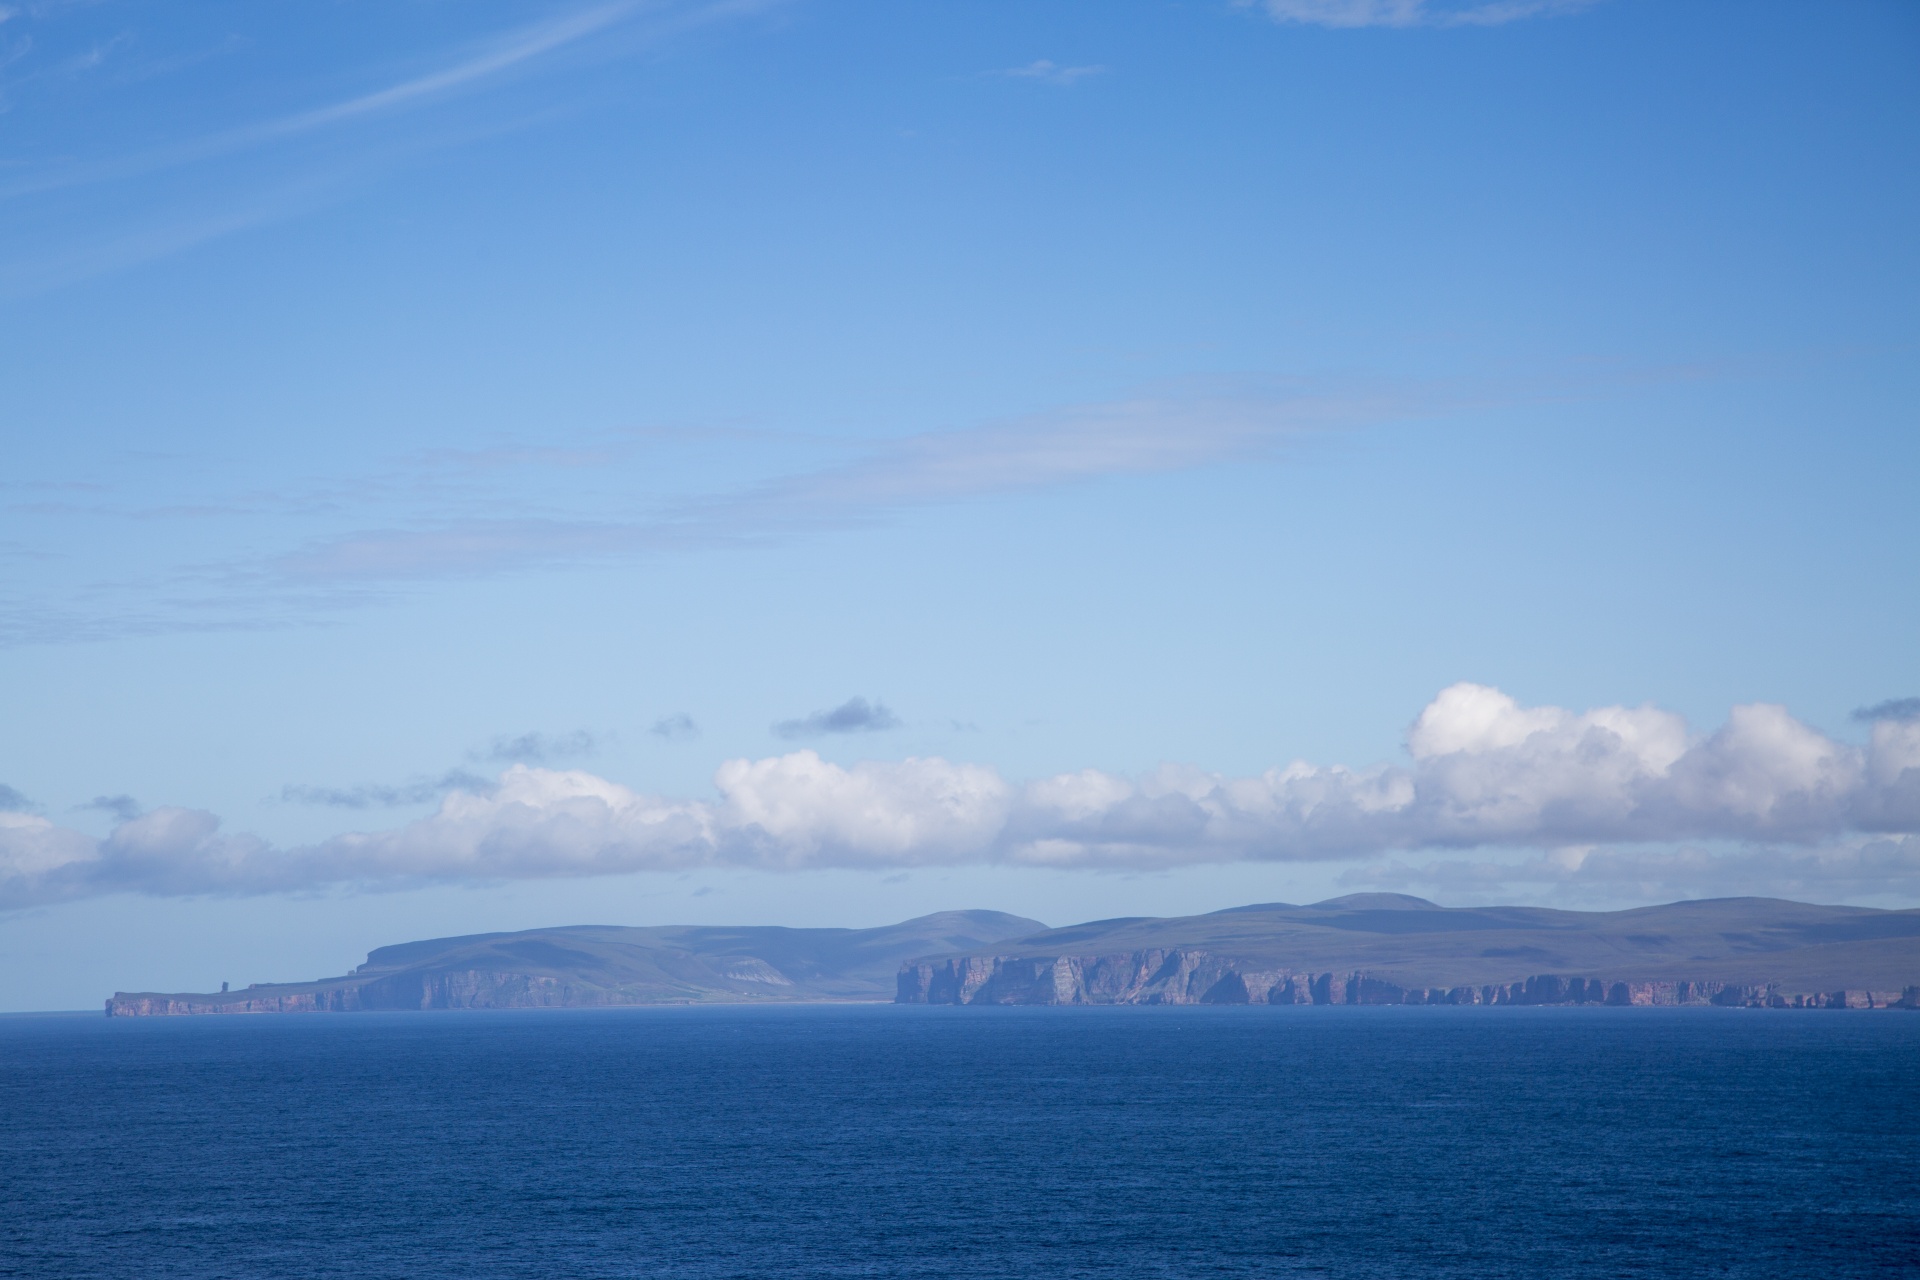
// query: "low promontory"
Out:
[584,966]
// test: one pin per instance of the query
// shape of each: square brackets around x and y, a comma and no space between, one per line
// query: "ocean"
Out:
[883,1141]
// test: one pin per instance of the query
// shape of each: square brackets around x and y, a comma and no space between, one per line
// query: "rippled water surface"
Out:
[883,1141]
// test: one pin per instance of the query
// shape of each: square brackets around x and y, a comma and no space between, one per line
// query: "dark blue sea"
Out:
[933,1142]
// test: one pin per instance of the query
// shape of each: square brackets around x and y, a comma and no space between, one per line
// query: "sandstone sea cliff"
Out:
[1371,949]
[1366,949]
[1192,976]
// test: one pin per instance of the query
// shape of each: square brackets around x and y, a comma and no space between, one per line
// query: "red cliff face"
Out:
[1183,975]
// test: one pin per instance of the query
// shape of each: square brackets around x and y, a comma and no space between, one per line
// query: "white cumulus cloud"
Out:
[1590,790]
[1850,869]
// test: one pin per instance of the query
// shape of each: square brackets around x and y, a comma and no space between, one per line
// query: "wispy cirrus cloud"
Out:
[1047,71]
[1413,13]
[162,238]
[495,58]
[263,178]
[1595,794]
[1164,431]
[440,536]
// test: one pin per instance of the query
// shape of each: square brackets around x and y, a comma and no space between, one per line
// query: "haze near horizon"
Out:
[487,467]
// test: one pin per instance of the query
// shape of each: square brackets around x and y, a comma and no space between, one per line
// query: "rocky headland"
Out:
[1390,949]
[1367,949]
[585,966]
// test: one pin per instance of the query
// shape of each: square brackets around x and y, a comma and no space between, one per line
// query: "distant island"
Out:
[1362,949]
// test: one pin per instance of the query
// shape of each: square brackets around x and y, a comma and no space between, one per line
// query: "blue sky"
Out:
[1125,402]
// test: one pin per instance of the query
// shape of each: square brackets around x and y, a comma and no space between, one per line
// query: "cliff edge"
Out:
[584,966]
[1390,949]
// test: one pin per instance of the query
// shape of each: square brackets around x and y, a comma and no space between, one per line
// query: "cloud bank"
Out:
[1483,772]
[1846,870]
